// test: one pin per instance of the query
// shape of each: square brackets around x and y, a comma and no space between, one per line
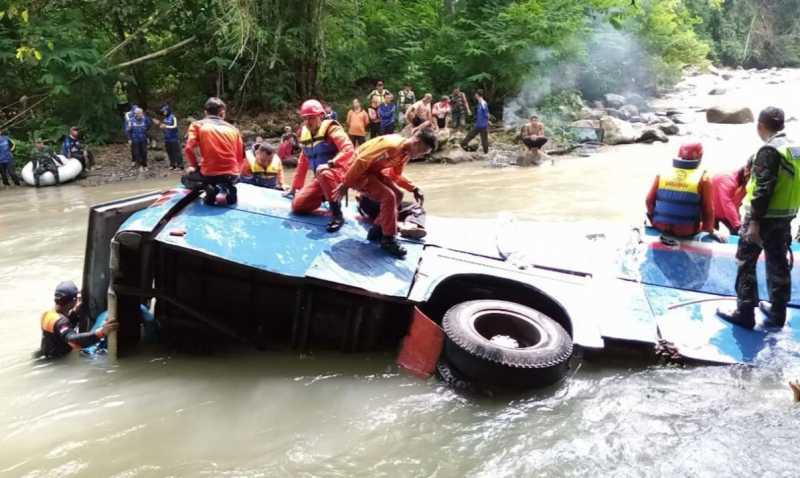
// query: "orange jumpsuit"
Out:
[376,172]
[327,180]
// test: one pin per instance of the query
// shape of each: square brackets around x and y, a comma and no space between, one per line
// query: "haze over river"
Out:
[279,414]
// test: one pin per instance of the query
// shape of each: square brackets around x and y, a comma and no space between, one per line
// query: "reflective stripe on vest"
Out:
[678,200]
[318,150]
[785,200]
[49,320]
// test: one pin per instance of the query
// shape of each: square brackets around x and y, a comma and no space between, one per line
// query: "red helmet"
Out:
[312,108]
[691,151]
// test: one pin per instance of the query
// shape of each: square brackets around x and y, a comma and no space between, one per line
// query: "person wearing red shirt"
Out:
[681,199]
[327,150]
[377,172]
[221,151]
[729,192]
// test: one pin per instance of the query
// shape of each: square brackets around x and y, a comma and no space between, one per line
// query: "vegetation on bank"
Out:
[71,62]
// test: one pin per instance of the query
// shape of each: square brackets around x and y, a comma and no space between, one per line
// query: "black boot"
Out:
[337,219]
[776,315]
[210,198]
[735,316]
[375,233]
[390,245]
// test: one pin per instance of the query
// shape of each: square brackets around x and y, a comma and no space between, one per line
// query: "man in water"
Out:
[377,172]
[772,201]
[326,150]
[59,325]
[7,148]
[222,149]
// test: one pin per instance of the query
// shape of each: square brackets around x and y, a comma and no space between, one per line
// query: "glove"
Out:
[418,196]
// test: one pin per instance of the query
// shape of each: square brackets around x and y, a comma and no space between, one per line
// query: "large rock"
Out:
[668,127]
[454,155]
[614,101]
[586,123]
[729,114]
[443,137]
[617,131]
[717,91]
[637,100]
[651,135]
[616,113]
[629,111]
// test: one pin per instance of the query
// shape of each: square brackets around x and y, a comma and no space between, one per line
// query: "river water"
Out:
[280,414]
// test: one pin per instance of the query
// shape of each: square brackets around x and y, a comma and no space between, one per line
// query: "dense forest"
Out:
[77,61]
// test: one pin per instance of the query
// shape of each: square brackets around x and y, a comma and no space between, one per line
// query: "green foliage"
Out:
[270,54]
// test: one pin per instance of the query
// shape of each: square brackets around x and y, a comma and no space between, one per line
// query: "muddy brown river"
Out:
[282,414]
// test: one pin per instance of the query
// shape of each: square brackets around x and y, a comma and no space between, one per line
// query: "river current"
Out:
[283,414]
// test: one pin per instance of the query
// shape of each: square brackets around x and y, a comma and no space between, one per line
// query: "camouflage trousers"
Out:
[776,236]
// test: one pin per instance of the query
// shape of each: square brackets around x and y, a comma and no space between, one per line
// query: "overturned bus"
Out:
[513,301]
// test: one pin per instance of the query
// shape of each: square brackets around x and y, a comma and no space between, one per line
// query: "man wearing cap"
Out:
[681,200]
[326,150]
[377,173]
[59,326]
[221,155]
[172,141]
[771,202]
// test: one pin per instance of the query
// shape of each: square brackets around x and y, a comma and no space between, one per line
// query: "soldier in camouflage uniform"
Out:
[772,201]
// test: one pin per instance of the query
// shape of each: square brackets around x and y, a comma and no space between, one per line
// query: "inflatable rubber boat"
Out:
[69,169]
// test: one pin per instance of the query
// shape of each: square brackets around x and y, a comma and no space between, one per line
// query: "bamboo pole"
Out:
[153,55]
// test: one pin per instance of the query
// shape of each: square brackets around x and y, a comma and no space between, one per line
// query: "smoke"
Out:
[607,60]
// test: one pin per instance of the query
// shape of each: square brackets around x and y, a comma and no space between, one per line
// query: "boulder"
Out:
[629,111]
[727,76]
[616,113]
[529,158]
[651,135]
[454,156]
[598,105]
[729,114]
[586,123]
[617,131]
[717,91]
[649,118]
[443,137]
[614,101]
[668,127]
[637,100]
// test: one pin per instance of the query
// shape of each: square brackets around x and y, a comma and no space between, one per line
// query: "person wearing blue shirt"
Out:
[387,111]
[138,138]
[128,118]
[330,113]
[481,123]
[73,148]
[172,142]
[7,147]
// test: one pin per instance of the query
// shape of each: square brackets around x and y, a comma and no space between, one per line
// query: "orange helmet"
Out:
[691,151]
[312,108]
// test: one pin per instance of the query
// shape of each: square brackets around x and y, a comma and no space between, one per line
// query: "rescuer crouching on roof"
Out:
[327,150]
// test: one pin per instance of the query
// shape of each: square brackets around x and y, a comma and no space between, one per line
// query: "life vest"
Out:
[678,198]
[317,149]
[268,176]
[52,345]
[138,129]
[785,200]
[171,131]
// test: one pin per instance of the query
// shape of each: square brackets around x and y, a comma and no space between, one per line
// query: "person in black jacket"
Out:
[59,325]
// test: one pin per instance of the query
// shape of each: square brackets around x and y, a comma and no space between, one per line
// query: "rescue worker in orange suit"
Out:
[729,192]
[59,326]
[681,200]
[222,155]
[326,150]
[377,171]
